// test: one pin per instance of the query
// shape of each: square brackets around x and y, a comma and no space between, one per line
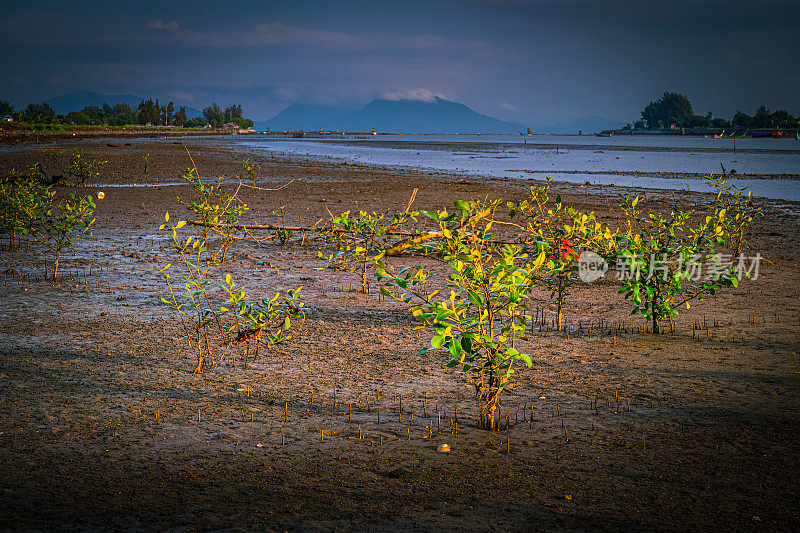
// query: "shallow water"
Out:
[671,162]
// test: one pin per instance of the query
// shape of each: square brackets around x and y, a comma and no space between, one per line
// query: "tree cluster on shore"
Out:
[148,112]
[674,110]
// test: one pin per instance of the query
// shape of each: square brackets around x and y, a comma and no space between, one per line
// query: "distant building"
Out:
[8,118]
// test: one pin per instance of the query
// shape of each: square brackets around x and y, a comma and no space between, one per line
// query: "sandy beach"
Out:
[102,426]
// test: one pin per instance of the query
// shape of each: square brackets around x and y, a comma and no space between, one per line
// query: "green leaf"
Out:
[455,348]
[462,205]
[475,298]
[466,344]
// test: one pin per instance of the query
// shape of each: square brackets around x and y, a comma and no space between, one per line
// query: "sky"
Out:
[535,62]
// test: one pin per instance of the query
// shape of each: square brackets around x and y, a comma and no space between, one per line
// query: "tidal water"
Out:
[768,167]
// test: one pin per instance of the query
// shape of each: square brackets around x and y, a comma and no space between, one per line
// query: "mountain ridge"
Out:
[398,116]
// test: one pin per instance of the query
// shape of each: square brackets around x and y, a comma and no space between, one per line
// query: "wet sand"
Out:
[102,426]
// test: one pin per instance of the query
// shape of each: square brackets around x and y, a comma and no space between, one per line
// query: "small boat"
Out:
[734,136]
[773,134]
[603,134]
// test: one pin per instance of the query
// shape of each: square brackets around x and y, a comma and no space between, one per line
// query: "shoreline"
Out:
[480,161]
[221,157]
[15,137]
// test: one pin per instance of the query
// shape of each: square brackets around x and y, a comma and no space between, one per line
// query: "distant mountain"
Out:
[587,125]
[305,117]
[398,116]
[76,101]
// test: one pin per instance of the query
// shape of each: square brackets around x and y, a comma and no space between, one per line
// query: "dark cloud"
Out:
[533,61]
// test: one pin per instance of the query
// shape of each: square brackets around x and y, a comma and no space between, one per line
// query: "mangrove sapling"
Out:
[280,232]
[218,208]
[268,321]
[82,168]
[211,328]
[362,239]
[203,327]
[63,222]
[23,199]
[660,262]
[558,230]
[481,319]
[251,169]
[146,159]
[738,212]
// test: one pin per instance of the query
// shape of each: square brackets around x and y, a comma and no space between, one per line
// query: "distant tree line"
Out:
[214,115]
[148,112]
[675,110]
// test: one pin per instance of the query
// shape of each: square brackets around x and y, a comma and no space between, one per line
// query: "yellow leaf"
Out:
[539,261]
[166,216]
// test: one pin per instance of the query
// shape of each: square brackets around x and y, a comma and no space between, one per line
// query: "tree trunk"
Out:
[55,270]
[490,421]
[488,402]
[656,330]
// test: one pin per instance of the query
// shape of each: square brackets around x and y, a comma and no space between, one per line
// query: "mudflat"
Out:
[102,425]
